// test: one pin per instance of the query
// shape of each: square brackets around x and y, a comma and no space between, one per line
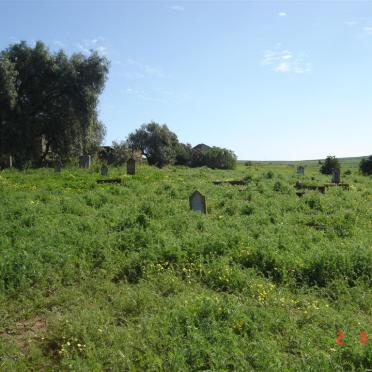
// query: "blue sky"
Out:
[269,80]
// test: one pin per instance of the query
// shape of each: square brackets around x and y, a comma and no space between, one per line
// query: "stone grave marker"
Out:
[301,170]
[104,170]
[131,167]
[335,175]
[84,161]
[6,162]
[197,202]
[58,167]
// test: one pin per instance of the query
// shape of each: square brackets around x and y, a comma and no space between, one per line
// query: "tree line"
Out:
[48,104]
[50,96]
[161,147]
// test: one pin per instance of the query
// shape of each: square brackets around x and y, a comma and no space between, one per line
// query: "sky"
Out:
[270,80]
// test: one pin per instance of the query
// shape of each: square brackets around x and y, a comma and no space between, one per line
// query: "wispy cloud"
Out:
[350,23]
[136,69]
[158,95]
[284,61]
[177,8]
[59,44]
[368,29]
[98,44]
[282,14]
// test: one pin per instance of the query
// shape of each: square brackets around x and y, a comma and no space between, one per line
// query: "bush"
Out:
[248,163]
[365,165]
[218,158]
[331,162]
[121,153]
[183,154]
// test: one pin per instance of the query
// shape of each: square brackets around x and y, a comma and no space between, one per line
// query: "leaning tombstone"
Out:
[335,175]
[131,166]
[104,170]
[197,202]
[84,161]
[301,170]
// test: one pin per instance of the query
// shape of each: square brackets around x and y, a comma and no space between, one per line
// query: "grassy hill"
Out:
[345,162]
[126,277]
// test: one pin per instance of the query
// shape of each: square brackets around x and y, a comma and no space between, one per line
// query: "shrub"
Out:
[365,165]
[121,153]
[219,158]
[330,163]
[215,158]
[248,163]
[183,154]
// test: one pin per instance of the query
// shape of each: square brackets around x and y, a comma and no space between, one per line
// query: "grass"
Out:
[126,277]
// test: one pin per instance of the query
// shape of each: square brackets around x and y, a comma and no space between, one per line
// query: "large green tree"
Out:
[50,95]
[365,165]
[331,162]
[156,142]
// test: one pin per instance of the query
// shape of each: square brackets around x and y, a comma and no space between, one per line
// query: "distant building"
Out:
[201,147]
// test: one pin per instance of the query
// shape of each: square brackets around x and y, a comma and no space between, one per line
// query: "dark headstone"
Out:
[58,166]
[301,170]
[6,162]
[131,167]
[84,161]
[197,202]
[335,175]
[104,171]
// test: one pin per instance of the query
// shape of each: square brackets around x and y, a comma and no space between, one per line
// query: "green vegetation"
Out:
[49,96]
[330,163]
[161,147]
[126,277]
[365,166]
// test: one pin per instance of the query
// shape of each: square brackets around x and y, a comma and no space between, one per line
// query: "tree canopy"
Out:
[161,147]
[156,142]
[331,162]
[365,165]
[49,95]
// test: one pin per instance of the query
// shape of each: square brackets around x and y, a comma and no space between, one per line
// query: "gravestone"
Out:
[6,162]
[197,202]
[335,175]
[84,161]
[131,167]
[58,167]
[104,170]
[301,170]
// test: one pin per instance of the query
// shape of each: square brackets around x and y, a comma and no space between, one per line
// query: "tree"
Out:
[55,97]
[329,163]
[183,154]
[8,96]
[121,152]
[219,158]
[156,142]
[365,165]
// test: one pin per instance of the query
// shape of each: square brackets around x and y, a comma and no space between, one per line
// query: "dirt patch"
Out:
[23,331]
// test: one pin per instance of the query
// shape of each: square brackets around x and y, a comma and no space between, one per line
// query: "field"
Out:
[126,277]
